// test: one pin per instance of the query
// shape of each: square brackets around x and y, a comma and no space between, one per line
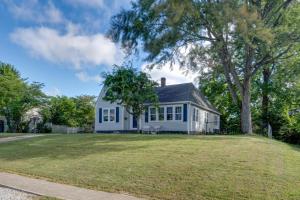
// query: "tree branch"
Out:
[267,59]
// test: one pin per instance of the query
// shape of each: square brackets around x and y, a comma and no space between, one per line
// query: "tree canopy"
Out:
[235,38]
[70,111]
[17,96]
[129,87]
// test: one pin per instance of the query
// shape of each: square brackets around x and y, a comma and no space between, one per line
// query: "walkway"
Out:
[15,138]
[60,191]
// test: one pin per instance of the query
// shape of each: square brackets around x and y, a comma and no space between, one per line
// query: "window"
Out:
[216,120]
[206,117]
[178,113]
[161,114]
[197,115]
[112,115]
[109,115]
[105,115]
[194,114]
[152,114]
[169,113]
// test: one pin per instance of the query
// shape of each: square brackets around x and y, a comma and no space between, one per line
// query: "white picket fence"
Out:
[66,129]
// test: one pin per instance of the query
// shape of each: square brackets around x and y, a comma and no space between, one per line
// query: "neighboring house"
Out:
[3,125]
[182,108]
[33,117]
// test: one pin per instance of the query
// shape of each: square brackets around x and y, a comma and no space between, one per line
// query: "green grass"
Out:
[162,166]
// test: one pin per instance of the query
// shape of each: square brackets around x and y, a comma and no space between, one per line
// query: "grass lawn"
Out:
[162,166]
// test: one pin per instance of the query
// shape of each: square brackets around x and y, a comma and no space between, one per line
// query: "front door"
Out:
[1,126]
[134,122]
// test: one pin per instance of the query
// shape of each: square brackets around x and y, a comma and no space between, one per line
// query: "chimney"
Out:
[163,82]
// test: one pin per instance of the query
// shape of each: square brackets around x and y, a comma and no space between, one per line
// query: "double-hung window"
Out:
[197,115]
[194,114]
[109,115]
[206,117]
[178,113]
[161,114]
[169,113]
[112,115]
[105,115]
[152,114]
[216,120]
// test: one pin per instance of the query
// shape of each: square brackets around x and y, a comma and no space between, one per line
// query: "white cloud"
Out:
[83,76]
[173,76]
[53,92]
[69,48]
[90,3]
[32,10]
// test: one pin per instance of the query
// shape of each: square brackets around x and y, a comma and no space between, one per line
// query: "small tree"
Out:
[131,88]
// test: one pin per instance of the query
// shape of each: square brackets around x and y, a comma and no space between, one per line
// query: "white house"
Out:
[182,108]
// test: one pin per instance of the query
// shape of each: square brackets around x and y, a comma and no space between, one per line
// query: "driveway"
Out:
[15,138]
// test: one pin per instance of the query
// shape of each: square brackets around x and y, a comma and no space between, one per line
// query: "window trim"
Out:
[172,113]
[181,116]
[165,113]
[108,115]
[158,114]
[216,120]
[150,114]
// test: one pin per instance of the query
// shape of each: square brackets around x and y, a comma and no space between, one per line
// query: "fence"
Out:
[66,129]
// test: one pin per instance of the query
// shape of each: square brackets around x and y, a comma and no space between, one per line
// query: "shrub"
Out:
[289,134]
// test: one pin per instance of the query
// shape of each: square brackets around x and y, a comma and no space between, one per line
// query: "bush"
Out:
[43,128]
[289,135]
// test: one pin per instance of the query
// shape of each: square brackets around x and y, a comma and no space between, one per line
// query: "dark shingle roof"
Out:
[183,92]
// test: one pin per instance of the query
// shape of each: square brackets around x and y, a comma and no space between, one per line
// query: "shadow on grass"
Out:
[294,147]
[61,147]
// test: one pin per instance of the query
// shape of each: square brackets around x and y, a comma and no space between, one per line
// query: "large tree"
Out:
[132,88]
[242,36]
[17,96]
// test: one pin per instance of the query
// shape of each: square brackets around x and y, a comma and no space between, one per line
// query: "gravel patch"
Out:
[9,194]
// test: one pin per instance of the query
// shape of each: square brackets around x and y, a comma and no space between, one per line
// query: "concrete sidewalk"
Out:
[61,191]
[15,138]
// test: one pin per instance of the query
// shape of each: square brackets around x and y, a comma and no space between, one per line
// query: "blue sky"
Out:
[62,43]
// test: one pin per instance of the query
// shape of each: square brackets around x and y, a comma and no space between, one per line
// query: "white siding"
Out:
[108,126]
[167,125]
[201,125]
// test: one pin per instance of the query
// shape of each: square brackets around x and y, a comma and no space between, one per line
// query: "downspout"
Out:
[123,109]
[188,119]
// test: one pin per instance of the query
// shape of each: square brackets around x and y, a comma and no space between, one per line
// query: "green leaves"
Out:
[75,111]
[17,96]
[131,88]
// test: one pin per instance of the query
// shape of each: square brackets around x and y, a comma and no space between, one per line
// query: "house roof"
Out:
[184,92]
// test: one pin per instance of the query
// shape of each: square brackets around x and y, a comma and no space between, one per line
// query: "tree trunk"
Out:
[246,121]
[265,98]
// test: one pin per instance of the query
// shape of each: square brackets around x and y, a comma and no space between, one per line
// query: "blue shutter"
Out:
[100,115]
[117,114]
[185,112]
[146,114]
